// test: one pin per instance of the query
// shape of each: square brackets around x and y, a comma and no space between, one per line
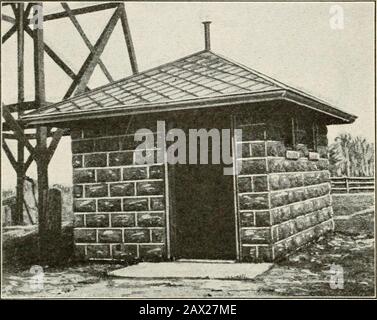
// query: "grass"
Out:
[351,203]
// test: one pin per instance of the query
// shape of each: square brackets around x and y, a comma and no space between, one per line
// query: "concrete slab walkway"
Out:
[192,270]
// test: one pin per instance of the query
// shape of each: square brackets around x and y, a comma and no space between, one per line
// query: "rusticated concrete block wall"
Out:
[119,207]
[283,203]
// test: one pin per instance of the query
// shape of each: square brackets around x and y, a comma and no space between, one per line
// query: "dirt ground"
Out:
[305,273]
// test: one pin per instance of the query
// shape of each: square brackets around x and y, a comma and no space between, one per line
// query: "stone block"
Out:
[249,253]
[262,218]
[157,203]
[108,175]
[98,251]
[265,253]
[275,149]
[84,235]
[156,172]
[151,252]
[110,235]
[82,146]
[244,184]
[158,235]
[121,158]
[97,220]
[150,219]
[123,220]
[96,190]
[95,160]
[258,149]
[135,204]
[253,166]
[77,191]
[260,184]
[107,144]
[122,189]
[150,188]
[135,173]
[253,201]
[255,236]
[124,251]
[245,150]
[136,235]
[279,198]
[77,161]
[84,205]
[247,219]
[83,176]
[78,220]
[109,205]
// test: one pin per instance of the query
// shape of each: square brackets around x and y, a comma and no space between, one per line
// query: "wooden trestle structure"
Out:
[12,129]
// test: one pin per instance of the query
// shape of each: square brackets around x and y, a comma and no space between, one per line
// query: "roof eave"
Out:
[228,100]
[272,95]
[311,103]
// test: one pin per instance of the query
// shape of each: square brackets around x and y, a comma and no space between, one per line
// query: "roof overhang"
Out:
[58,119]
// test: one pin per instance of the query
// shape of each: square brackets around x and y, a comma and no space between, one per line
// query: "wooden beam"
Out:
[7,18]
[57,135]
[8,34]
[42,163]
[78,11]
[25,106]
[55,57]
[31,136]
[19,13]
[18,131]
[13,29]
[85,38]
[79,84]
[28,162]
[10,156]
[128,39]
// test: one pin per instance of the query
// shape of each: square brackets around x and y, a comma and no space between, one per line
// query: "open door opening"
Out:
[203,207]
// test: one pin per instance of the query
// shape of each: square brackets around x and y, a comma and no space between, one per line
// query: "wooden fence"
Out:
[352,184]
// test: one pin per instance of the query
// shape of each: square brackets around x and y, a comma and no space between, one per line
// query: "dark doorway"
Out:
[203,205]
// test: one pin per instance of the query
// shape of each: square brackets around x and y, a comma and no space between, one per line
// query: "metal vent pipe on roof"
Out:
[207,35]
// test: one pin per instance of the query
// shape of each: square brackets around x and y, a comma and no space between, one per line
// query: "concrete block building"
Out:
[278,201]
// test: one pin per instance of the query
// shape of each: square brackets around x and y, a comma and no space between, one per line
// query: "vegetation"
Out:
[351,156]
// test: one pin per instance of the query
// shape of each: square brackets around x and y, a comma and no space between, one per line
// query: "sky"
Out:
[291,42]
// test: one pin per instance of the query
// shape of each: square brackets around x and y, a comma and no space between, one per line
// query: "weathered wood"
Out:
[8,34]
[25,106]
[86,40]
[9,154]
[21,97]
[78,11]
[18,131]
[53,225]
[31,136]
[42,163]
[28,162]
[9,19]
[79,84]
[128,39]
[57,135]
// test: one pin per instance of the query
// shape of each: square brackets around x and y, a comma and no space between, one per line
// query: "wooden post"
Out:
[20,145]
[347,185]
[42,163]
[128,39]
[54,225]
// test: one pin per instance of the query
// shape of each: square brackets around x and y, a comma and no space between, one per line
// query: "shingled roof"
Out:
[201,79]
